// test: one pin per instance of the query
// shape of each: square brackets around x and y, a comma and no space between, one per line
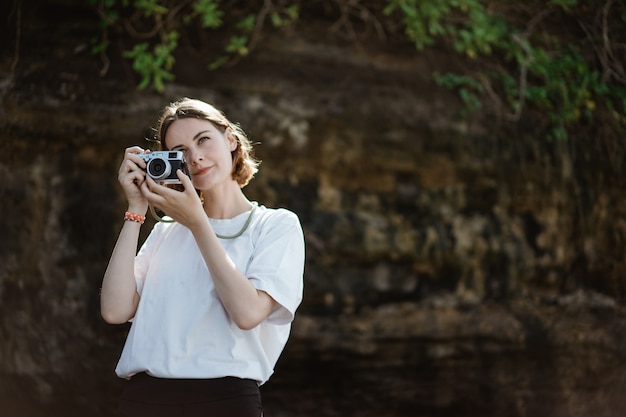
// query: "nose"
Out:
[194,157]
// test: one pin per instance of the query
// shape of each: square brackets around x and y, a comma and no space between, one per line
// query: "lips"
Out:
[201,171]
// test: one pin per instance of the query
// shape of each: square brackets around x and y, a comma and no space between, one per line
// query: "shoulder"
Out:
[274,222]
[276,216]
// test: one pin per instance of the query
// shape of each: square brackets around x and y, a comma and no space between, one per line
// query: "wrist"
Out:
[129,216]
[137,209]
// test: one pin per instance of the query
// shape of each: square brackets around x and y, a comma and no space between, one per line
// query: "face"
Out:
[207,151]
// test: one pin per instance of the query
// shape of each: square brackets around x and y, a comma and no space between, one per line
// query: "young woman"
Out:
[210,295]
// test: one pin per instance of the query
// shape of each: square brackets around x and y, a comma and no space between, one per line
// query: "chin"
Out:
[204,185]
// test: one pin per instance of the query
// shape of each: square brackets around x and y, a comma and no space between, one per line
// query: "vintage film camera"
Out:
[162,166]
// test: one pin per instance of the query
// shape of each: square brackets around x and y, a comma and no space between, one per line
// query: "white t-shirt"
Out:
[181,329]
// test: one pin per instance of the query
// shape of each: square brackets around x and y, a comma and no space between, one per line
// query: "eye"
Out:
[183,150]
[203,139]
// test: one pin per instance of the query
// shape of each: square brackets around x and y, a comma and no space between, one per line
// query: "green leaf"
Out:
[247,23]
[209,12]
[237,45]
[218,63]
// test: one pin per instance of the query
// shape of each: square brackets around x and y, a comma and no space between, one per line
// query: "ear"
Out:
[232,139]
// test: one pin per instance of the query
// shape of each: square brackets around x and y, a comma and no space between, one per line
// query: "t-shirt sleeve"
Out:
[142,259]
[277,266]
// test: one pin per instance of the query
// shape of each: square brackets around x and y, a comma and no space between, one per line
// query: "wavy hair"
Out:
[245,165]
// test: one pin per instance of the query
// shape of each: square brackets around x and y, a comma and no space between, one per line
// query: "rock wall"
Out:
[454,262]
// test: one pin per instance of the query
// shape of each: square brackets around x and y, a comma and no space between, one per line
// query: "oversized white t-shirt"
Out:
[181,329]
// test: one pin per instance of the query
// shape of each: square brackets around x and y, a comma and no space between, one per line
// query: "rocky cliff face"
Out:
[454,266]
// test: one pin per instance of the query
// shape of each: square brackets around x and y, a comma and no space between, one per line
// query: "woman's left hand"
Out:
[184,206]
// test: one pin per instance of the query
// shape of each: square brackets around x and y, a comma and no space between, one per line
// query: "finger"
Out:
[185,180]
[152,186]
[158,193]
[136,177]
[129,165]
[137,159]
[147,191]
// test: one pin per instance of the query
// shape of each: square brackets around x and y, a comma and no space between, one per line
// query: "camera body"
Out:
[161,166]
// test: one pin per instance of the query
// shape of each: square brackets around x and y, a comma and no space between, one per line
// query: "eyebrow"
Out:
[194,138]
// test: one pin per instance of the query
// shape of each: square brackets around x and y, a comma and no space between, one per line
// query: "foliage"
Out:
[534,67]
[479,33]
[564,59]
[154,66]
[163,21]
[468,87]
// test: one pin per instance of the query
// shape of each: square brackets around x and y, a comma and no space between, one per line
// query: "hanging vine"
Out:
[519,58]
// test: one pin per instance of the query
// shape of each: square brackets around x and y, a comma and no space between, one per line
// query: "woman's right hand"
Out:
[131,176]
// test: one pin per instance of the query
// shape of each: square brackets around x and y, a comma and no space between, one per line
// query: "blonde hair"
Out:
[244,163]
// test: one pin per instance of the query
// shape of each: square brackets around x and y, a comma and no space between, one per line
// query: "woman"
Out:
[210,295]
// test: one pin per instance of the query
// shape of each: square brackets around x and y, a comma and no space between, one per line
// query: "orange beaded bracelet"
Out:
[134,217]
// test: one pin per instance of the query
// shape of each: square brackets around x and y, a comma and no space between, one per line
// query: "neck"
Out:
[225,206]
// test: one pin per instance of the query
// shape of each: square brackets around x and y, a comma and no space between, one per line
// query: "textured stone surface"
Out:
[453,266]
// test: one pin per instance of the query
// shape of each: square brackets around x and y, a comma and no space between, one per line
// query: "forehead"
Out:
[186,129]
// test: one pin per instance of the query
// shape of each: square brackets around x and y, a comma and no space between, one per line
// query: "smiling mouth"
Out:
[202,171]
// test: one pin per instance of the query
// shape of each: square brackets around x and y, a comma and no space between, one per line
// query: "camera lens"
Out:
[158,168]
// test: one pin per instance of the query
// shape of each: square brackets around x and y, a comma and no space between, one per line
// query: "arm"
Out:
[246,305]
[119,297]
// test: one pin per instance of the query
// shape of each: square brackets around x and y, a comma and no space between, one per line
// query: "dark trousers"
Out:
[220,397]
